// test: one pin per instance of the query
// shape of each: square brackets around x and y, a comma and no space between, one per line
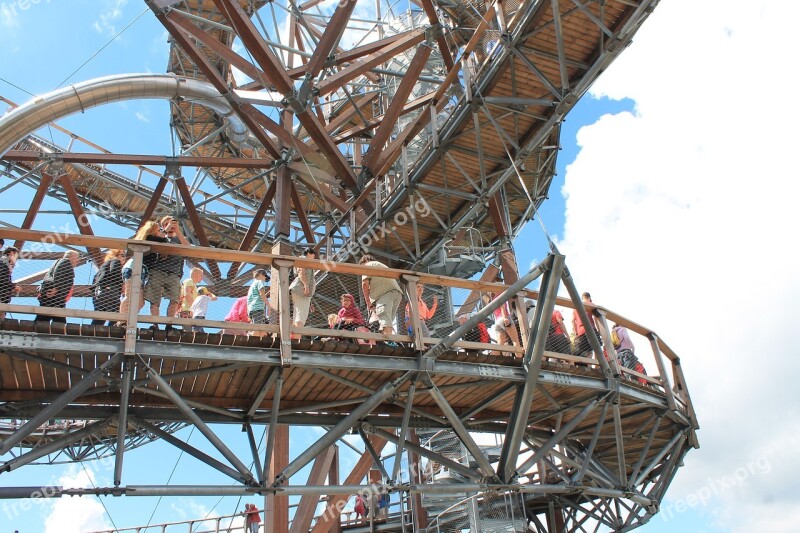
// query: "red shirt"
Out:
[579,329]
[556,320]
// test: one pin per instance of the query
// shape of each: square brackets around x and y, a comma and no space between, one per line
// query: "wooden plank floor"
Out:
[27,376]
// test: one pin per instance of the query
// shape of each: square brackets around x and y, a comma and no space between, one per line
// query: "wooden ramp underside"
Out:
[222,377]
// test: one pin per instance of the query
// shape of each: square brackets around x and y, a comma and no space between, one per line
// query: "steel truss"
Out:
[455,107]
[581,460]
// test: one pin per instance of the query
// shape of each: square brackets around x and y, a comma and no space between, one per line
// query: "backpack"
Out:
[615,338]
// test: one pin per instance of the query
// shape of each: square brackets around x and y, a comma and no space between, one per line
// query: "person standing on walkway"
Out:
[7,287]
[258,299]
[189,291]
[108,285]
[302,289]
[253,519]
[382,295]
[166,272]
[56,287]
[199,308]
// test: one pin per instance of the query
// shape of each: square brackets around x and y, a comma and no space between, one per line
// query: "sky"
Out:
[674,205]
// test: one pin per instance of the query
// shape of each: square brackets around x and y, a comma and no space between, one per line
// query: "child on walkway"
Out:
[199,307]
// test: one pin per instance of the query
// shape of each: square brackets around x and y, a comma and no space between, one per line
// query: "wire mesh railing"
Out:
[146,282]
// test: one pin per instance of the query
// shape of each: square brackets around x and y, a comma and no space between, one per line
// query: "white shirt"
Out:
[200,306]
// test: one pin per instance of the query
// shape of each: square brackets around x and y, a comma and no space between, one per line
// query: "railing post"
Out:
[683,390]
[284,313]
[609,346]
[413,310]
[662,371]
[133,297]
[522,321]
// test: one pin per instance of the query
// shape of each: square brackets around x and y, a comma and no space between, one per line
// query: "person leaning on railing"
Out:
[302,289]
[189,292]
[504,328]
[257,299]
[623,345]
[56,287]
[557,336]
[150,231]
[7,287]
[237,313]
[583,348]
[107,285]
[425,312]
[382,295]
[349,316]
[199,308]
[165,273]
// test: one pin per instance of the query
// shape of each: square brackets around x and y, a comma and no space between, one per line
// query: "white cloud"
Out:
[106,23]
[142,117]
[681,216]
[76,514]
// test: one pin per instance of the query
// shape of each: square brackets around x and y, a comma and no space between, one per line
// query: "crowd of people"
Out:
[161,280]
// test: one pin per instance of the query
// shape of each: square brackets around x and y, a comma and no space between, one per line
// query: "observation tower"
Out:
[422,133]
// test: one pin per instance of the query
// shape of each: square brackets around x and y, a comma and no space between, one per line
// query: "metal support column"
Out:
[533,357]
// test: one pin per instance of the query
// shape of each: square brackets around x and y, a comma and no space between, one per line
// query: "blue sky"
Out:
[673,203]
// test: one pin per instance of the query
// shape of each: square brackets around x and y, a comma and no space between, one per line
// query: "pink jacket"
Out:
[238,312]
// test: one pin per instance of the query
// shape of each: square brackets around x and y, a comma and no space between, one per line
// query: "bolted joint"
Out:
[364,177]
[433,32]
[294,102]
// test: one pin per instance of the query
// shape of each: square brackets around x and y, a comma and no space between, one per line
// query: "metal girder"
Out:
[56,445]
[424,452]
[199,424]
[339,429]
[58,404]
[191,450]
[565,430]
[533,356]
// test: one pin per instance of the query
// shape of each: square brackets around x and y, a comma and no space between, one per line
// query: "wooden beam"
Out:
[277,507]
[433,18]
[36,204]
[389,120]
[308,503]
[213,44]
[285,136]
[328,147]
[197,224]
[393,150]
[301,215]
[342,57]
[256,45]
[330,38]
[349,112]
[84,226]
[266,202]
[336,501]
[214,77]
[346,75]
